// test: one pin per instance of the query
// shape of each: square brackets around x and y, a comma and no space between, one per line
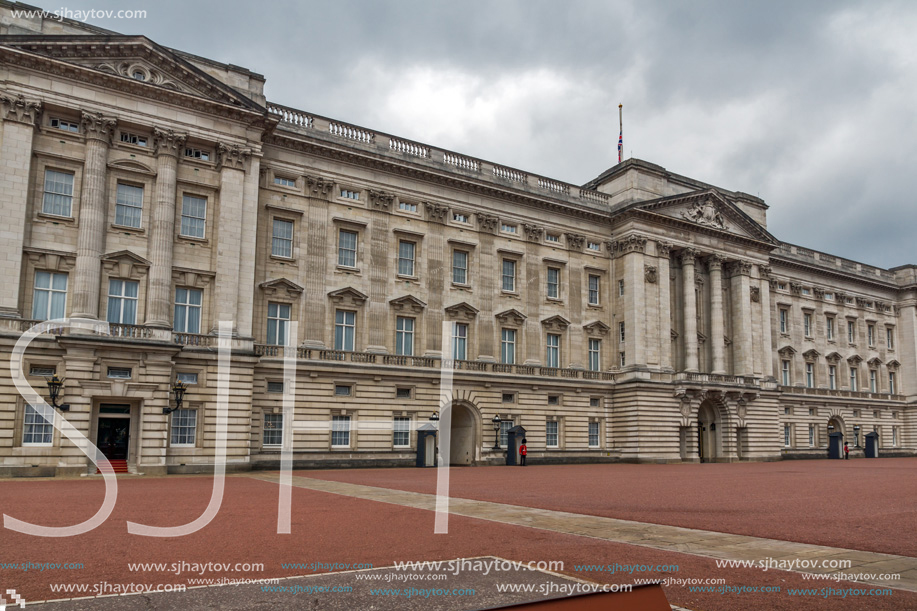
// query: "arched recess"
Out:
[465,433]
[837,422]
[714,441]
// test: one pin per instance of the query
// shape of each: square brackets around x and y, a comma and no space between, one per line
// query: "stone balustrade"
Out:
[847,394]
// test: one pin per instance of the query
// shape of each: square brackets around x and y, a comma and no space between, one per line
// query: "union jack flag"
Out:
[620,145]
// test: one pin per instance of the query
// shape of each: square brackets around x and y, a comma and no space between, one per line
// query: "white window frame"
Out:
[553,284]
[52,294]
[596,435]
[810,375]
[552,350]
[507,346]
[347,253]
[122,298]
[401,425]
[890,338]
[407,207]
[265,429]
[340,431]
[552,434]
[407,253]
[832,377]
[595,354]
[854,382]
[281,328]
[188,306]
[787,436]
[40,428]
[127,211]
[784,317]
[594,284]
[193,221]
[282,244]
[851,332]
[53,199]
[785,372]
[829,327]
[891,382]
[460,272]
[460,341]
[181,429]
[404,335]
[812,439]
[345,328]
[508,272]
[873,380]
[807,324]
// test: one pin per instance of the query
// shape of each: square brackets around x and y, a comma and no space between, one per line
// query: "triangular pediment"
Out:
[708,209]
[408,303]
[834,357]
[557,323]
[136,61]
[596,327]
[347,296]
[461,311]
[811,355]
[856,359]
[511,316]
[874,361]
[126,256]
[787,351]
[125,264]
[893,364]
[281,286]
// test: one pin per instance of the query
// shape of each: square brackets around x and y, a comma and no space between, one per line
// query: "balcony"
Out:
[428,362]
[715,378]
[845,394]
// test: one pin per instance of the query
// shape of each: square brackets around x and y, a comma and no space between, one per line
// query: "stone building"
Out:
[643,316]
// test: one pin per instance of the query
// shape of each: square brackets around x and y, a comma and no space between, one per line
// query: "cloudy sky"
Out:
[810,105]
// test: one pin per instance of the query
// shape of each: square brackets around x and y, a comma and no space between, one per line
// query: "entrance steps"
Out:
[117,466]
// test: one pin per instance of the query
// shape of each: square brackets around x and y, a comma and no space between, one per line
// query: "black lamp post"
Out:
[54,387]
[856,435]
[496,420]
[830,427]
[434,417]
[179,389]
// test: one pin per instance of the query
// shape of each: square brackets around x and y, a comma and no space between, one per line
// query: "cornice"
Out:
[671,221]
[846,277]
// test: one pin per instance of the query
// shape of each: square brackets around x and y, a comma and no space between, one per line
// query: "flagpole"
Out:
[621,132]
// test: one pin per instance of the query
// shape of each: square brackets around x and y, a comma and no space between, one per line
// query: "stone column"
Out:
[231,163]
[317,225]
[534,293]
[690,304]
[631,250]
[168,146]
[663,250]
[19,119]
[715,265]
[249,239]
[380,271]
[764,296]
[742,347]
[488,272]
[90,242]
[436,255]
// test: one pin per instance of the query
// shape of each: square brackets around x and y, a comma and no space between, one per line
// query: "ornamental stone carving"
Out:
[715,262]
[17,108]
[533,233]
[740,268]
[381,200]
[232,156]
[436,212]
[664,249]
[765,271]
[319,186]
[575,241]
[795,288]
[488,222]
[97,127]
[755,294]
[167,142]
[819,292]
[650,273]
[688,256]
[629,244]
[705,213]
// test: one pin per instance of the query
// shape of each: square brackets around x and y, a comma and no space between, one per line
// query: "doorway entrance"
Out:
[706,433]
[461,442]
[114,431]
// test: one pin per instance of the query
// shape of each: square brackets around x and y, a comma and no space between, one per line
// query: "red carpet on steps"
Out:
[118,466]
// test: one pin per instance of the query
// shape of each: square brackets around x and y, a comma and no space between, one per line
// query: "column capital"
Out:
[765,271]
[168,142]
[436,212]
[19,109]
[533,232]
[488,222]
[663,249]
[98,127]
[630,243]
[688,256]
[232,156]
[715,262]
[319,185]
[575,241]
[740,268]
[381,200]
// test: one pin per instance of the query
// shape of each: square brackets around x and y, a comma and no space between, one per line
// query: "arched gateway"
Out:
[463,438]
[708,442]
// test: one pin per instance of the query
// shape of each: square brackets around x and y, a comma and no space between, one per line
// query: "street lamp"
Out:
[496,420]
[179,389]
[54,387]
[434,417]
[856,435]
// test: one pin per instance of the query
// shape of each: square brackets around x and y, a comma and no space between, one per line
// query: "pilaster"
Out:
[715,265]
[317,260]
[381,269]
[741,315]
[688,256]
[663,252]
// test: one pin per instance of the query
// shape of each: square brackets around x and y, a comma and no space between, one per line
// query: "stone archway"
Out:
[462,438]
[709,430]
[838,423]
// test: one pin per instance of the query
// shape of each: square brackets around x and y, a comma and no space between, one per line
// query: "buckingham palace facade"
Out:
[643,316]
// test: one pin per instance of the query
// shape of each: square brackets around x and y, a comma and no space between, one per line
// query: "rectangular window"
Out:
[853,379]
[348,194]
[507,228]
[344,330]
[829,296]
[622,359]
[595,402]
[851,332]
[552,357]
[505,426]
[807,324]
[621,332]
[509,275]
[508,397]
[343,390]
[282,239]
[284,182]
[595,246]
[551,434]
[553,283]
[890,338]
[894,436]
[810,375]
[459,341]
[275,386]
[347,248]
[553,399]
[340,431]
[811,435]
[122,301]
[873,380]
[404,336]
[458,217]
[459,267]
[187,310]
[197,154]
[593,434]
[67,126]
[508,346]
[184,427]
[36,431]
[129,206]
[193,216]
[829,327]
[278,317]
[785,372]
[402,393]
[891,382]
[273,430]
[58,195]
[832,377]
[550,237]
[186,377]
[871,335]
[49,297]
[402,433]
[786,435]
[406,257]
[42,371]
[783,320]
[620,288]
[595,355]
[119,373]
[593,290]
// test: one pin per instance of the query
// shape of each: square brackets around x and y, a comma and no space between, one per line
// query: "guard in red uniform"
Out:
[523,451]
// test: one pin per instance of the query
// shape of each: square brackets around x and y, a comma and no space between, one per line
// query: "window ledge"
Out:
[289,260]
[461,287]
[55,218]
[344,269]
[406,278]
[594,306]
[554,300]
[126,229]
[192,240]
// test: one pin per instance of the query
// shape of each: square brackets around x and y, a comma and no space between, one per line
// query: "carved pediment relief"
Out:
[787,351]
[281,287]
[125,264]
[191,277]
[511,317]
[555,323]
[893,364]
[462,311]
[131,165]
[811,355]
[856,359]
[834,358]
[50,260]
[596,328]
[874,361]
[705,212]
[348,296]
[408,303]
